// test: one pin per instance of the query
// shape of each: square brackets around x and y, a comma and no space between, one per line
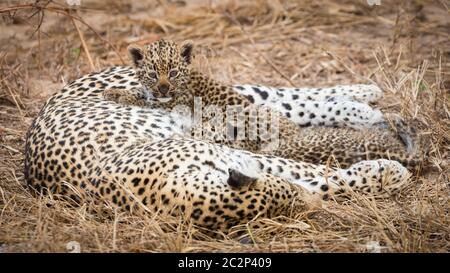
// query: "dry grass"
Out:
[404,48]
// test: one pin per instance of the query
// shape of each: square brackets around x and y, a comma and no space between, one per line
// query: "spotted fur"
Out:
[315,145]
[341,105]
[261,95]
[132,158]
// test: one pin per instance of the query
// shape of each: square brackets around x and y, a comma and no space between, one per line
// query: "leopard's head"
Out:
[162,66]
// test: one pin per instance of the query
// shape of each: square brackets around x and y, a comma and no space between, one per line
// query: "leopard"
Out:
[81,146]
[348,104]
[164,72]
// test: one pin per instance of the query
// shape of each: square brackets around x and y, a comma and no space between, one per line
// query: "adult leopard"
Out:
[133,158]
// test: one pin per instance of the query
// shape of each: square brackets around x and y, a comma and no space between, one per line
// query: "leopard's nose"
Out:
[163,88]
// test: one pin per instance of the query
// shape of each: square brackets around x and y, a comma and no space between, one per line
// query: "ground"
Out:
[404,48]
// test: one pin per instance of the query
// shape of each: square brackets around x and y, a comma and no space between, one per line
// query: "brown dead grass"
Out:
[404,48]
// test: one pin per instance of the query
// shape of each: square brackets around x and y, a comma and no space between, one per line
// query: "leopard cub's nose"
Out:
[163,88]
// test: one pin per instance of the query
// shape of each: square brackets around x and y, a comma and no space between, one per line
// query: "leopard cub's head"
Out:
[162,66]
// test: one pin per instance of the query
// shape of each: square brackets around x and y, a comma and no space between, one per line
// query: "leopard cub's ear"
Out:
[186,49]
[136,53]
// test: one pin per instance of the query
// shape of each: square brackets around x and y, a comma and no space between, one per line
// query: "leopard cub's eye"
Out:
[153,75]
[173,73]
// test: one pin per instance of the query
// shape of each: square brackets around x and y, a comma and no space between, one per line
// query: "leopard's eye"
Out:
[153,75]
[173,73]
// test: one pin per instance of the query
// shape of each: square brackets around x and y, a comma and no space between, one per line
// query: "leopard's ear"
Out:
[186,49]
[136,53]
[238,180]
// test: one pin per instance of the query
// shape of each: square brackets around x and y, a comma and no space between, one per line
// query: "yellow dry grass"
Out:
[403,47]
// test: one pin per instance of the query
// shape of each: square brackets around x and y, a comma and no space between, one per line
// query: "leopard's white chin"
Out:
[164,99]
